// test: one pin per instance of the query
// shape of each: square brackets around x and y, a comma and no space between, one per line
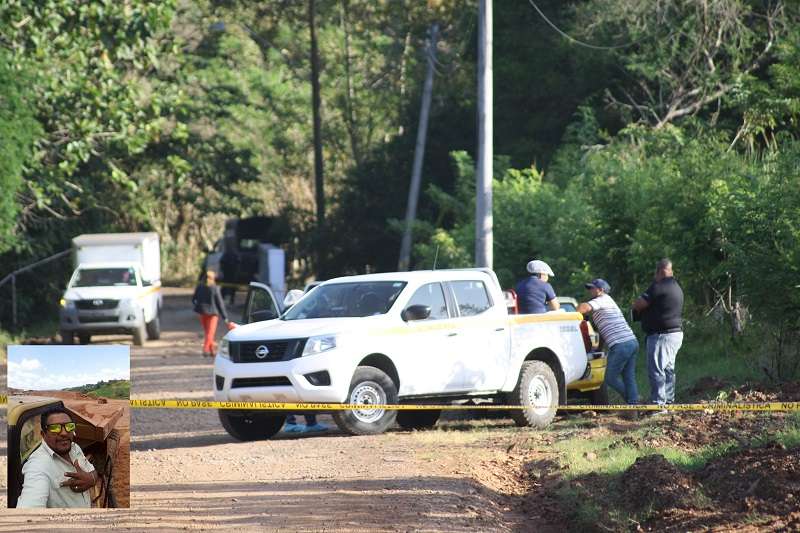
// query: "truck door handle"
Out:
[499,329]
[452,334]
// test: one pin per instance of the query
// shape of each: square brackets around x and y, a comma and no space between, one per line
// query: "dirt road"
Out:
[187,473]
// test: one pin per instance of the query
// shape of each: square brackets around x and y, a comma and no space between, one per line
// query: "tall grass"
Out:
[707,351]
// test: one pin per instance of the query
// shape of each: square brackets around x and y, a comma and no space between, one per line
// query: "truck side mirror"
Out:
[416,312]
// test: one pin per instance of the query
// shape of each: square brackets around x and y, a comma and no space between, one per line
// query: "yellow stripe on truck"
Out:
[151,290]
[543,317]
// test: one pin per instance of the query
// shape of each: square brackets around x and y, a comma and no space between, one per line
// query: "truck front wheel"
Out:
[537,392]
[250,426]
[369,386]
[139,335]
[154,329]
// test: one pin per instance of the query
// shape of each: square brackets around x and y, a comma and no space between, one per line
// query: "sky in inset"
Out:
[61,367]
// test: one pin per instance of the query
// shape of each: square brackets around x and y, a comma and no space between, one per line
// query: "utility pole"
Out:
[484,241]
[419,152]
[315,109]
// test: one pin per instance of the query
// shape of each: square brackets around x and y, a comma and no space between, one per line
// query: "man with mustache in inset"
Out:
[57,474]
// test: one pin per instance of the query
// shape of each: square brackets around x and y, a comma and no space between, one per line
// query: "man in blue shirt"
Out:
[534,294]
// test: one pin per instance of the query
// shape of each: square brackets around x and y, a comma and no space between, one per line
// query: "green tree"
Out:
[681,58]
[19,130]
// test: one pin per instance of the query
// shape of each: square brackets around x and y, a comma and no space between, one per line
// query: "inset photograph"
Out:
[68,426]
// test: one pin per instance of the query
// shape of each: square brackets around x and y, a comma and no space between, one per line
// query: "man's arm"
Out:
[643,302]
[35,490]
[551,301]
[584,308]
[217,295]
[640,304]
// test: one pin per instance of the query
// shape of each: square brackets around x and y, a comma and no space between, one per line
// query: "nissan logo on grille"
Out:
[262,351]
[97,303]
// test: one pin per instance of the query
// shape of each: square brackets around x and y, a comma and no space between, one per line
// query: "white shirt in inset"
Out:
[44,472]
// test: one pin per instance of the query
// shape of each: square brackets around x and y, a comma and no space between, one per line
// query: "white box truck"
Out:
[115,288]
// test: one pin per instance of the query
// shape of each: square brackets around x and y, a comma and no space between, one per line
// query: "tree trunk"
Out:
[350,93]
[316,110]
[419,153]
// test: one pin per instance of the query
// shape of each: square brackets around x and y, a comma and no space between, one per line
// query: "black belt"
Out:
[673,330]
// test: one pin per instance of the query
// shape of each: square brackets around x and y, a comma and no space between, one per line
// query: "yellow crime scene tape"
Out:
[296,406]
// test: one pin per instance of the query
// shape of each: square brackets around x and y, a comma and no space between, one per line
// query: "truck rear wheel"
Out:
[418,419]
[138,335]
[67,337]
[84,338]
[250,426]
[369,386]
[538,388]
[154,329]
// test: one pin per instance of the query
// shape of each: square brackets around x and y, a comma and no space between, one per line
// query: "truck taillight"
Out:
[587,340]
[511,301]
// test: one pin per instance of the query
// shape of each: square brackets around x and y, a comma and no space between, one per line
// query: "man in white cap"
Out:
[534,294]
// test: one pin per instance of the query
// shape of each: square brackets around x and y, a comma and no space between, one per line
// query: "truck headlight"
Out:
[67,304]
[224,349]
[319,344]
[127,303]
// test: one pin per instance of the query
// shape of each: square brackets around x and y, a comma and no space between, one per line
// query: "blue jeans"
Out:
[661,351]
[622,362]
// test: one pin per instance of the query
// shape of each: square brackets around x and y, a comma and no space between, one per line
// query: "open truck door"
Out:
[260,304]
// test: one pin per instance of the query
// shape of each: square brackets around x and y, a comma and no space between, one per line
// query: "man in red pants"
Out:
[208,303]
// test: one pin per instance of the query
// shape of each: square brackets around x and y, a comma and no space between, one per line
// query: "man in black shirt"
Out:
[660,308]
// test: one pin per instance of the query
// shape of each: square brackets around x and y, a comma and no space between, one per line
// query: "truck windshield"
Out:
[105,277]
[347,300]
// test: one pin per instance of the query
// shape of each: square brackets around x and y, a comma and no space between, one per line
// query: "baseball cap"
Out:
[598,283]
[539,267]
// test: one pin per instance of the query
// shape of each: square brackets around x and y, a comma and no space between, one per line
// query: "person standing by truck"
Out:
[661,308]
[534,293]
[208,303]
[618,336]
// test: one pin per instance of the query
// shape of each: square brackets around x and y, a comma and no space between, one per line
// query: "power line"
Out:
[577,41]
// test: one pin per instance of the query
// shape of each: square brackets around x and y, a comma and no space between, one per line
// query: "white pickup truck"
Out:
[404,337]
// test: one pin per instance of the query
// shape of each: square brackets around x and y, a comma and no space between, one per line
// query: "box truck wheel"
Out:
[154,329]
[67,337]
[84,338]
[370,385]
[250,426]
[537,388]
[138,335]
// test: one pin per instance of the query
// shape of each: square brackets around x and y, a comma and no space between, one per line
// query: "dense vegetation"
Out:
[117,389]
[677,136]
